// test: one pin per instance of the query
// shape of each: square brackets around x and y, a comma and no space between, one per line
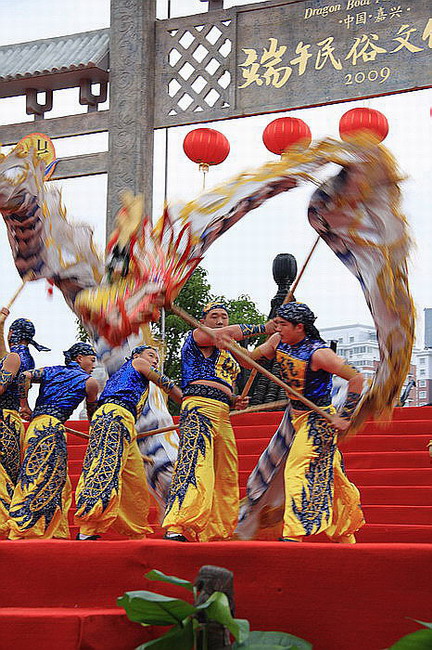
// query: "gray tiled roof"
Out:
[51,55]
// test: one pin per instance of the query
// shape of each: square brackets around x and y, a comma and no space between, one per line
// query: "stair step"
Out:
[369,443]
[395,533]
[397,477]
[384,514]
[42,627]
[366,460]
[396,495]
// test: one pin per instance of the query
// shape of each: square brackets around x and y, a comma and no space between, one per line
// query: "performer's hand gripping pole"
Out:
[244,356]
[287,299]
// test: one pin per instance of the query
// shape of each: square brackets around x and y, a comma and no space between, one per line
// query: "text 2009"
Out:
[373,75]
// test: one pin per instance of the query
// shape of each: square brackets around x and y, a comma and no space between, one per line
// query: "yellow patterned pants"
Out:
[318,495]
[11,434]
[42,496]
[112,489]
[203,501]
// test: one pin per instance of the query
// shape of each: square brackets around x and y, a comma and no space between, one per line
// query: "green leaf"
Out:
[180,638]
[429,625]
[218,609]
[273,641]
[154,609]
[420,640]
[154,574]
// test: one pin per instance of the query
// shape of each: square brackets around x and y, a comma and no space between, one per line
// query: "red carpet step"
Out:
[61,595]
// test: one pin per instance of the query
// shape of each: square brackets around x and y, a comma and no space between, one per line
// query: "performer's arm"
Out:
[267,349]
[9,370]
[25,380]
[221,335]
[4,313]
[92,389]
[158,378]
[326,359]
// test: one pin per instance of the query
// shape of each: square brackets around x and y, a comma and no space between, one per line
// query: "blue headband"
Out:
[213,305]
[298,312]
[23,329]
[139,349]
[78,348]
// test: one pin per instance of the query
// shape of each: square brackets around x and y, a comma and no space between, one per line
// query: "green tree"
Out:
[244,310]
[82,334]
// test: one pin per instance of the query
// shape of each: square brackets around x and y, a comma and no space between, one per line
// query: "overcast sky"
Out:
[240,261]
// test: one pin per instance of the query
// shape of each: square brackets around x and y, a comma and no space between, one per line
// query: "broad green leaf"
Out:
[420,640]
[180,638]
[428,625]
[272,641]
[218,609]
[154,574]
[154,609]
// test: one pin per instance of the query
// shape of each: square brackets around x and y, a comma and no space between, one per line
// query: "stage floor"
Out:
[62,594]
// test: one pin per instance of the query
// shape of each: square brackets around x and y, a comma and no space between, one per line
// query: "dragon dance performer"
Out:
[203,500]
[20,335]
[42,496]
[112,489]
[318,495]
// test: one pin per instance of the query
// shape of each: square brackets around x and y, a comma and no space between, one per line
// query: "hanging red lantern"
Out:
[286,132]
[366,121]
[206,146]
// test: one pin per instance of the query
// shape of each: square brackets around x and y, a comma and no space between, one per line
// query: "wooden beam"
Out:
[56,127]
[86,165]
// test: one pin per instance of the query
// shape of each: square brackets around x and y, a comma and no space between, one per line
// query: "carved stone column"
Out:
[132,55]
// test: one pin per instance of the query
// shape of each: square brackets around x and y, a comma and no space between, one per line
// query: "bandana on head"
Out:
[78,348]
[23,329]
[141,348]
[298,312]
[213,305]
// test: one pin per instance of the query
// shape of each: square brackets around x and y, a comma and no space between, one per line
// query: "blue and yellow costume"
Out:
[21,334]
[112,489]
[204,497]
[318,495]
[42,496]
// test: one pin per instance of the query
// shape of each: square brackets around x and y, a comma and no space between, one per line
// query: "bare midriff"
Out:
[213,384]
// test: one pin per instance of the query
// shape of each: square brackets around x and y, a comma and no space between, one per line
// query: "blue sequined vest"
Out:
[10,398]
[220,366]
[62,389]
[295,362]
[128,388]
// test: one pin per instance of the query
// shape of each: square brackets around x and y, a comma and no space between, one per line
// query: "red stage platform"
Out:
[62,594]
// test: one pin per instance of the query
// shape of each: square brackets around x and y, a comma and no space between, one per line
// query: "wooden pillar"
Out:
[132,56]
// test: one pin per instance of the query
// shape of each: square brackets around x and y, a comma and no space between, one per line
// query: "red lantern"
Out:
[206,146]
[366,121]
[286,132]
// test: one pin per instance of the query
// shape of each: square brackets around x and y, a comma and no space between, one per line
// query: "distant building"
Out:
[424,376]
[428,327]
[358,344]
